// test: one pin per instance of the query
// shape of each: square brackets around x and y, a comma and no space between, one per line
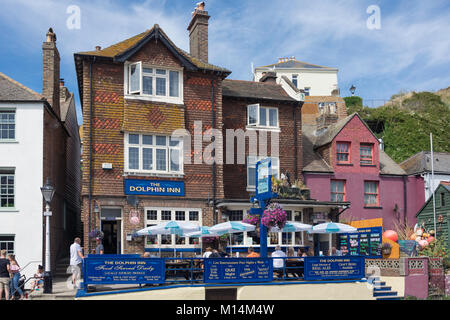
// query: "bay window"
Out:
[153,83]
[153,154]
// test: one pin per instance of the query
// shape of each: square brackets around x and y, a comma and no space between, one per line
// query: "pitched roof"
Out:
[389,166]
[295,64]
[421,162]
[11,90]
[255,90]
[333,130]
[124,49]
[312,161]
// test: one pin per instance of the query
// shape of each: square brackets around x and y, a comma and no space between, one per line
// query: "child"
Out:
[38,278]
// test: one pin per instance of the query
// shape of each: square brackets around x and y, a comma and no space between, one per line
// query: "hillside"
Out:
[405,122]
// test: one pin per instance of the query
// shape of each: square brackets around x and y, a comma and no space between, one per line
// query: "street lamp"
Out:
[47,192]
[352,90]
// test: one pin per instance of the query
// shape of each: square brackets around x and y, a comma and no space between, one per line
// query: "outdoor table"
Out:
[174,266]
[297,267]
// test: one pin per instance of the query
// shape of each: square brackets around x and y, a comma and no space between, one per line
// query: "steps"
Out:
[383,292]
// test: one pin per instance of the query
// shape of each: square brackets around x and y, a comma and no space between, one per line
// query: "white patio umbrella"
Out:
[333,227]
[292,226]
[231,227]
[179,228]
[205,232]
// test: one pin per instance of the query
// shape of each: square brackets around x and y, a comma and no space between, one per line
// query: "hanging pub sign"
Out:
[154,188]
[367,242]
[134,217]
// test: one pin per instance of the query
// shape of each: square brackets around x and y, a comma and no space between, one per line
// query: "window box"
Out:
[153,83]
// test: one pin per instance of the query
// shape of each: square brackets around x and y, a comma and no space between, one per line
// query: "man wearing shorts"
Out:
[4,274]
[76,259]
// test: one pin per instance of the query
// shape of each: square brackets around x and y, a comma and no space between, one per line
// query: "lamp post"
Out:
[47,192]
[352,90]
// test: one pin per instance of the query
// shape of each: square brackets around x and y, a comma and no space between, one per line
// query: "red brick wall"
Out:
[235,117]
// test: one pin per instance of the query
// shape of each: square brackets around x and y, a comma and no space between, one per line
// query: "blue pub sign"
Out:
[231,270]
[334,268]
[154,188]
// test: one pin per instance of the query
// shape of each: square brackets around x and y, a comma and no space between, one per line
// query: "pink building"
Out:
[343,161]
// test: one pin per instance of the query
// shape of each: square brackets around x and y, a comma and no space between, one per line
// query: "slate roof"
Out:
[313,162]
[255,90]
[11,90]
[421,162]
[295,64]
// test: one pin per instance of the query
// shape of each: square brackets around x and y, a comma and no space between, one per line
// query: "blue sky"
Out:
[411,50]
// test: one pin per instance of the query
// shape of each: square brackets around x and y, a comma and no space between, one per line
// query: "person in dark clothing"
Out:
[4,274]
[215,254]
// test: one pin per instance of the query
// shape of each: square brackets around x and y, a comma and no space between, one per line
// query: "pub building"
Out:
[134,95]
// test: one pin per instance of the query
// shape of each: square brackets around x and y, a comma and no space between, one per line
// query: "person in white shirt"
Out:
[278,263]
[76,259]
[207,252]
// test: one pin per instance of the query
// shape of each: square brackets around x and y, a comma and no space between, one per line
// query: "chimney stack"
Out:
[269,77]
[50,71]
[198,33]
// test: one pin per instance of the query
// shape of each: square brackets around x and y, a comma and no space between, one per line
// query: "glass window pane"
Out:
[252,114]
[133,139]
[147,140]
[273,117]
[166,239]
[161,140]
[193,216]
[147,159]
[174,142]
[262,116]
[160,86]
[152,215]
[133,158]
[251,177]
[160,71]
[147,70]
[135,78]
[166,215]
[161,160]
[174,83]
[147,85]
[180,215]
[175,160]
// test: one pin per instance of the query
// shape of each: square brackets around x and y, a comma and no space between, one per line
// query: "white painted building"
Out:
[315,80]
[21,173]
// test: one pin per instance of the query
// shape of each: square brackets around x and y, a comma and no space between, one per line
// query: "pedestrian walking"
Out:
[4,274]
[76,259]
[14,269]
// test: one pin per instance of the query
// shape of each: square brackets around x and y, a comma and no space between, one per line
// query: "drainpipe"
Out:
[300,105]
[90,149]
[214,163]
[405,204]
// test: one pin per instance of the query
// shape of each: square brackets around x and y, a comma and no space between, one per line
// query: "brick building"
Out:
[39,140]
[134,95]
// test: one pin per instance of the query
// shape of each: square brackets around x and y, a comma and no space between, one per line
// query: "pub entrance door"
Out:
[111,226]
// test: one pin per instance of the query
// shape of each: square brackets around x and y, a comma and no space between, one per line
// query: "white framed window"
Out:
[262,117]
[152,153]
[295,80]
[7,189]
[307,91]
[7,125]
[153,83]
[7,243]
[251,170]
[155,216]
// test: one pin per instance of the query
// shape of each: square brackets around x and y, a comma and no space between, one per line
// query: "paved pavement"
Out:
[62,290]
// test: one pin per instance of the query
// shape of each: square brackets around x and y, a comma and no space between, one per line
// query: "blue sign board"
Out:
[233,270]
[123,270]
[367,242]
[334,268]
[154,188]
[264,179]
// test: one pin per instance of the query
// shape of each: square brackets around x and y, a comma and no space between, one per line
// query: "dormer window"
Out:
[153,83]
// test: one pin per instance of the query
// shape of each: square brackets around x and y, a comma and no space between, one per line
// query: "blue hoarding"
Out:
[123,270]
[232,270]
[334,268]
[154,188]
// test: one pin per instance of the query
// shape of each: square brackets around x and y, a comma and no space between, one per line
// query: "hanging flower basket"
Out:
[251,219]
[274,216]
[96,234]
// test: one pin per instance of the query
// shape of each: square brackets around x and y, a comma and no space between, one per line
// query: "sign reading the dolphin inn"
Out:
[154,188]
[232,270]
[119,270]
[334,268]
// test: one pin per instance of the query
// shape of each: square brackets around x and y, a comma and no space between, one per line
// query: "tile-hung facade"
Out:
[135,94]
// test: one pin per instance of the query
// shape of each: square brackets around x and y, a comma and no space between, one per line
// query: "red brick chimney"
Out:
[198,33]
[50,71]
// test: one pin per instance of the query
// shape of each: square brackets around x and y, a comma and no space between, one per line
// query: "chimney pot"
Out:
[61,82]
[98,48]
[201,6]
[51,36]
